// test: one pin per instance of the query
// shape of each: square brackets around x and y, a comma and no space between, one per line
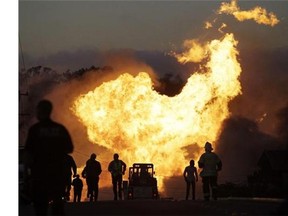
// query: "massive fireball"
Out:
[128,116]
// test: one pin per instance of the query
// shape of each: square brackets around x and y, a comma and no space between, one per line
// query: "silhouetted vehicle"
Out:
[141,183]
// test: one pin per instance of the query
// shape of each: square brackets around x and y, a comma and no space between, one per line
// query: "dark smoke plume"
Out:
[282,127]
[240,146]
[264,81]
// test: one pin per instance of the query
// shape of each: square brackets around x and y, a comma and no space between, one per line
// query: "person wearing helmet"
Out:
[117,169]
[210,164]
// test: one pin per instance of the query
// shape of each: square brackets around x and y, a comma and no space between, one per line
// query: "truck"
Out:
[141,182]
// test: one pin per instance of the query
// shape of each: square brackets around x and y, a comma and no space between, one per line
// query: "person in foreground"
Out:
[210,164]
[46,145]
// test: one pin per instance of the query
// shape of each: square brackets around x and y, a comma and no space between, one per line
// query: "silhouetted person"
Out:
[117,169]
[191,177]
[93,170]
[210,164]
[47,144]
[77,187]
[69,167]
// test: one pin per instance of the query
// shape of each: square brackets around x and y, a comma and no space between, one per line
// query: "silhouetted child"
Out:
[78,186]
[191,177]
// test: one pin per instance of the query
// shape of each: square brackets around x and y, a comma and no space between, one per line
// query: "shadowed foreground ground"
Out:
[169,207]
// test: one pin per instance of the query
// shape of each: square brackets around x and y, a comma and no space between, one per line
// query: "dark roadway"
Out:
[169,207]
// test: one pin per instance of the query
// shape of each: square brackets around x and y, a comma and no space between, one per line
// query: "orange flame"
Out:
[195,52]
[128,116]
[258,14]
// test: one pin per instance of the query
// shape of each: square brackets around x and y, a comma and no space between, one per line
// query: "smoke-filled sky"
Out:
[74,29]
[132,35]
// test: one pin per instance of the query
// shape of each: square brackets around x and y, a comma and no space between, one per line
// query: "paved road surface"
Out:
[169,207]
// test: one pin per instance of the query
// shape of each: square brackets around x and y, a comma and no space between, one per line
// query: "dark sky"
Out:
[47,28]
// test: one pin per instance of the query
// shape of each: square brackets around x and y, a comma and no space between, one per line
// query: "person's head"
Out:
[93,156]
[208,147]
[116,156]
[192,163]
[44,109]
[77,176]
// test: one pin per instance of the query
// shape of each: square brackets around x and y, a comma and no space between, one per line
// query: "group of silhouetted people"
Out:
[210,164]
[92,171]
[48,146]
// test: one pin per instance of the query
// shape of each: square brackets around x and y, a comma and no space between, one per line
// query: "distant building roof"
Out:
[274,159]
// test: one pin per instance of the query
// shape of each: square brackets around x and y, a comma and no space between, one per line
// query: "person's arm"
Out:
[84,173]
[196,174]
[110,167]
[185,174]
[99,168]
[201,162]
[74,166]
[124,167]
[219,165]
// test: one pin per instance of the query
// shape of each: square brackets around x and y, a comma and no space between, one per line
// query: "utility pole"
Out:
[21,113]
[20,93]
